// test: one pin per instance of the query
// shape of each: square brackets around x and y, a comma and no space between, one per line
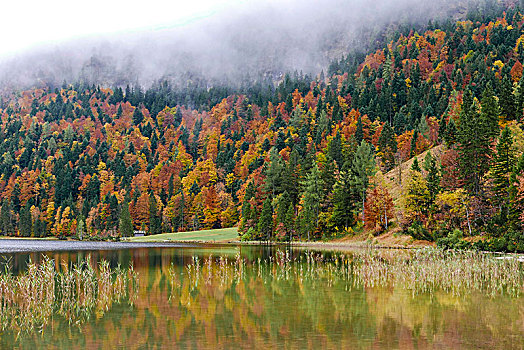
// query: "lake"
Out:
[211,297]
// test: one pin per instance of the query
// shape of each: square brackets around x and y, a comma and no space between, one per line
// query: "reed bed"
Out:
[419,271]
[29,301]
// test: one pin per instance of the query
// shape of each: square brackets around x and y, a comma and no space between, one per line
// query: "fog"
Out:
[256,39]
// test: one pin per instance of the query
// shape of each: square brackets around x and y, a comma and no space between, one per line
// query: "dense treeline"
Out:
[309,159]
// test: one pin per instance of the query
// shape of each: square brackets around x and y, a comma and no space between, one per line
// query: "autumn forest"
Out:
[310,158]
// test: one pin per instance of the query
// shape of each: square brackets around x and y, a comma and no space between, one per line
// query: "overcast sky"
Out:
[29,23]
[120,42]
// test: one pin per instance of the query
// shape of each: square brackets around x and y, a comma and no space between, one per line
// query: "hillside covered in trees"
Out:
[304,160]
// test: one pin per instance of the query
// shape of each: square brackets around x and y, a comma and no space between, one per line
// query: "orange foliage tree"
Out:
[379,208]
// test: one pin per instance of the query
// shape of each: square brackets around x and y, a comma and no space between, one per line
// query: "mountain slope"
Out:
[294,162]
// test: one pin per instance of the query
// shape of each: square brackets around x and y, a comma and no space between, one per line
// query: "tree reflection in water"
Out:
[254,297]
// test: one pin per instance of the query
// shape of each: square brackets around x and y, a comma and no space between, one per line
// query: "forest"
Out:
[312,158]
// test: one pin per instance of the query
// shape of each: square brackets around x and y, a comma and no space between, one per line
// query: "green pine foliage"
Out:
[311,200]
[501,172]
[265,223]
[476,133]
[125,223]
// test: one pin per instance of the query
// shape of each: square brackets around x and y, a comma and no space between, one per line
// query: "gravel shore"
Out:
[40,245]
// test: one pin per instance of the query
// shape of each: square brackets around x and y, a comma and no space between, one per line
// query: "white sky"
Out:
[26,23]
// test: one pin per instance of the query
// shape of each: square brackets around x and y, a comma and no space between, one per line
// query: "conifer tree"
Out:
[265,223]
[289,221]
[362,167]
[343,202]
[25,223]
[155,223]
[519,100]
[489,114]
[138,117]
[273,173]
[450,134]
[475,135]
[507,99]
[125,222]
[387,146]
[313,187]
[501,171]
[415,166]
[433,176]
[6,226]
[413,148]
[283,202]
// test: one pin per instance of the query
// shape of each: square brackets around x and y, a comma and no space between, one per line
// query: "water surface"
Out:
[265,304]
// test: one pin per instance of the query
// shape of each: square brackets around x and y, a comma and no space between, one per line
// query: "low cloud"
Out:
[255,39]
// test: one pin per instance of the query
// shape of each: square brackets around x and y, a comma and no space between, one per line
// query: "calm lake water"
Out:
[260,305]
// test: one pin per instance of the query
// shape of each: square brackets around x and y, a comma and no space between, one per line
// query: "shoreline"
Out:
[29,245]
[32,244]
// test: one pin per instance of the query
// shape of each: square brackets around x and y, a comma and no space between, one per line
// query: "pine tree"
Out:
[344,200]
[433,176]
[413,148]
[178,116]
[520,100]
[507,99]
[399,121]
[363,167]
[265,223]
[387,146]
[138,117]
[119,112]
[313,188]
[450,135]
[6,226]
[289,221]
[155,223]
[273,173]
[25,223]
[283,202]
[125,223]
[475,136]
[334,150]
[501,171]
[489,113]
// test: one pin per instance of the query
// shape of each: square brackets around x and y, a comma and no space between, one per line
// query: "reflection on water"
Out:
[31,298]
[186,300]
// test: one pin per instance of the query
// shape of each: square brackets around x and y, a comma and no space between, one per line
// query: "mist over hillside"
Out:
[259,40]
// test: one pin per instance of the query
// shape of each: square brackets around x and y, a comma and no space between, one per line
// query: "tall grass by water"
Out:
[419,271]
[29,300]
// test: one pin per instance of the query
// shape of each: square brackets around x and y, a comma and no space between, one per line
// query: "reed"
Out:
[419,271]
[28,301]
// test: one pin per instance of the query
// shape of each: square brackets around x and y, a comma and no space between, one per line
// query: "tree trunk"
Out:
[467,216]
[386,215]
[363,203]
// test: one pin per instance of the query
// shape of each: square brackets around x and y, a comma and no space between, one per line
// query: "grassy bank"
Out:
[218,235]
